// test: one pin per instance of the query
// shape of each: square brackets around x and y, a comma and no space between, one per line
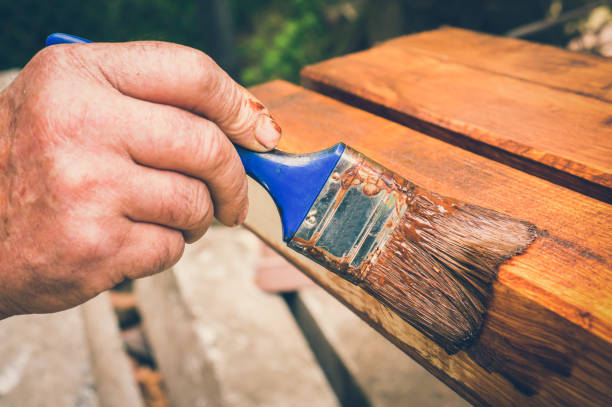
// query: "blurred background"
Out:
[255,41]
[268,39]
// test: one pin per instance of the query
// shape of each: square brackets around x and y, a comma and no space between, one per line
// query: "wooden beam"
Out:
[536,108]
[547,337]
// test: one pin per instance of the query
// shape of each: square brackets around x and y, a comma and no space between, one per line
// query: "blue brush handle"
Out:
[293,181]
[60,38]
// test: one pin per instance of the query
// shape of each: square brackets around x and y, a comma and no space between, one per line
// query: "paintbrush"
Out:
[430,259]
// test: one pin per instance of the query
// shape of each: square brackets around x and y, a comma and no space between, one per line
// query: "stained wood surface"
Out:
[540,109]
[547,337]
[580,73]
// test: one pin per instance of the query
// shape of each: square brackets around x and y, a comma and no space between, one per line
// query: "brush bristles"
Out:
[438,267]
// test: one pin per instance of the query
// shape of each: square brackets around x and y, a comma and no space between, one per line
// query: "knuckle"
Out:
[219,96]
[171,211]
[50,110]
[187,206]
[168,253]
[243,192]
[174,251]
[235,178]
[207,80]
[51,64]
[57,58]
[75,179]
[91,243]
[104,279]
[198,206]
[49,56]
[240,182]
[215,149]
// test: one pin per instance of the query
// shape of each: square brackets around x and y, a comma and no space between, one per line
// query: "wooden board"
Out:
[457,86]
[547,338]
[581,73]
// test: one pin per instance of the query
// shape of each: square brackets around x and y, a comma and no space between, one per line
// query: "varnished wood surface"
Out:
[581,73]
[542,110]
[547,337]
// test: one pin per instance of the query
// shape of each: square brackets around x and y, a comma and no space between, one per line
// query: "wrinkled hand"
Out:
[112,156]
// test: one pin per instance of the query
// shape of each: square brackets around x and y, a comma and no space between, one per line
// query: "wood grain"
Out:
[472,97]
[547,337]
[580,73]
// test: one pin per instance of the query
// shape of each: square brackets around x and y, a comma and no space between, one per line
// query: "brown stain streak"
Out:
[275,125]
[442,261]
[437,268]
[258,107]
[255,105]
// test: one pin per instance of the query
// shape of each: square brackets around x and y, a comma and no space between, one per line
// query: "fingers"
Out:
[168,138]
[186,78]
[169,199]
[149,249]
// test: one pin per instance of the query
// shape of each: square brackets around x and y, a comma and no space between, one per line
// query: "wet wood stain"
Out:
[437,269]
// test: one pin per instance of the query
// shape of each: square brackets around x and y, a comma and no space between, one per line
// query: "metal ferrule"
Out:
[352,217]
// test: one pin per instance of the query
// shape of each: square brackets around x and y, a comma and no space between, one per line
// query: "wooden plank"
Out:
[561,136]
[581,73]
[547,337]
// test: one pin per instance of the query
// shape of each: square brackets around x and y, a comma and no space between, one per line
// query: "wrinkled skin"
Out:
[112,156]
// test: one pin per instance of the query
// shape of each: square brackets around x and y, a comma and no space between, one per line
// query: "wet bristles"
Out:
[438,267]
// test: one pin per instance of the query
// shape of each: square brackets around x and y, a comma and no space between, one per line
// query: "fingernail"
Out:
[267,131]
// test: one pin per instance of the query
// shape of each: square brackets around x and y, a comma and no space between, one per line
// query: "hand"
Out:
[112,156]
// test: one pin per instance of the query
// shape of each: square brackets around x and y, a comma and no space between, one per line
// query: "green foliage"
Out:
[273,38]
[287,36]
